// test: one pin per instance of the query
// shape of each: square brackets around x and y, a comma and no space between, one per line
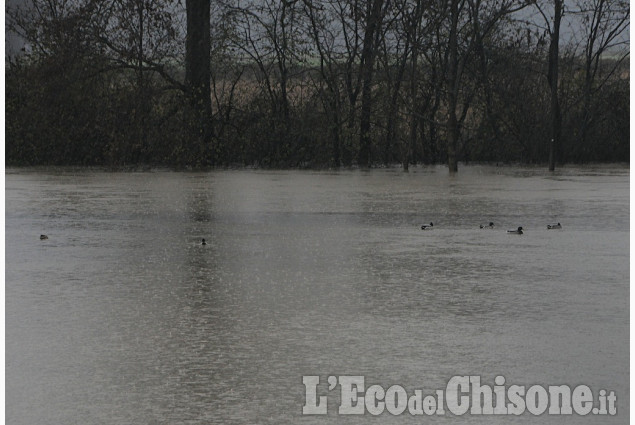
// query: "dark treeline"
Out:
[288,83]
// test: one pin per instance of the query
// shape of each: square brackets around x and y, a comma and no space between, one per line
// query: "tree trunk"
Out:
[335,136]
[393,108]
[412,139]
[364,159]
[369,48]
[556,119]
[453,88]
[409,145]
[197,72]
[142,101]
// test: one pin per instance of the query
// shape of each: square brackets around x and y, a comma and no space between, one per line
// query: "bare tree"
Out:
[395,47]
[324,36]
[139,36]
[350,19]
[604,24]
[470,21]
[197,70]
[552,12]
[270,35]
[413,26]
[373,21]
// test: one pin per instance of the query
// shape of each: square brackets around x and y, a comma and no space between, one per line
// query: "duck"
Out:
[554,226]
[487,226]
[203,242]
[42,237]
[427,227]
[518,231]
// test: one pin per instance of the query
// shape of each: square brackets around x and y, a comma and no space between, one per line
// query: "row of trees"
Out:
[318,82]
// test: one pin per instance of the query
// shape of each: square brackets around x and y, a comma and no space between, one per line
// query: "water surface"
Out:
[122,317]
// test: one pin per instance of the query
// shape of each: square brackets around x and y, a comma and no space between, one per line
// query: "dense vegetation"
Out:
[317,83]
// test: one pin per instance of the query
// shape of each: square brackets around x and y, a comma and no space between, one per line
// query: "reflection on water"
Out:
[122,316]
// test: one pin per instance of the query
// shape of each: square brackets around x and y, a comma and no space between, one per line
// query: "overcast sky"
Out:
[13,43]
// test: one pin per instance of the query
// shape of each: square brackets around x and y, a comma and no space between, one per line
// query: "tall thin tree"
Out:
[197,72]
[369,53]
[553,59]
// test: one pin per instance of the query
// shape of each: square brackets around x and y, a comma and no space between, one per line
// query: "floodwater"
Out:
[123,317]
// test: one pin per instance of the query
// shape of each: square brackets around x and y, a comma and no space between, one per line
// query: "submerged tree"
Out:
[552,22]
[197,70]
[469,23]
[324,36]
[373,21]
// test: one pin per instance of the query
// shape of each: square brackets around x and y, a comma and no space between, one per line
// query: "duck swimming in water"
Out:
[487,226]
[42,237]
[427,227]
[518,231]
[554,226]
[203,242]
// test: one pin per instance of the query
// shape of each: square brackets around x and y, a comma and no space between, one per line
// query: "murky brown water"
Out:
[122,317]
